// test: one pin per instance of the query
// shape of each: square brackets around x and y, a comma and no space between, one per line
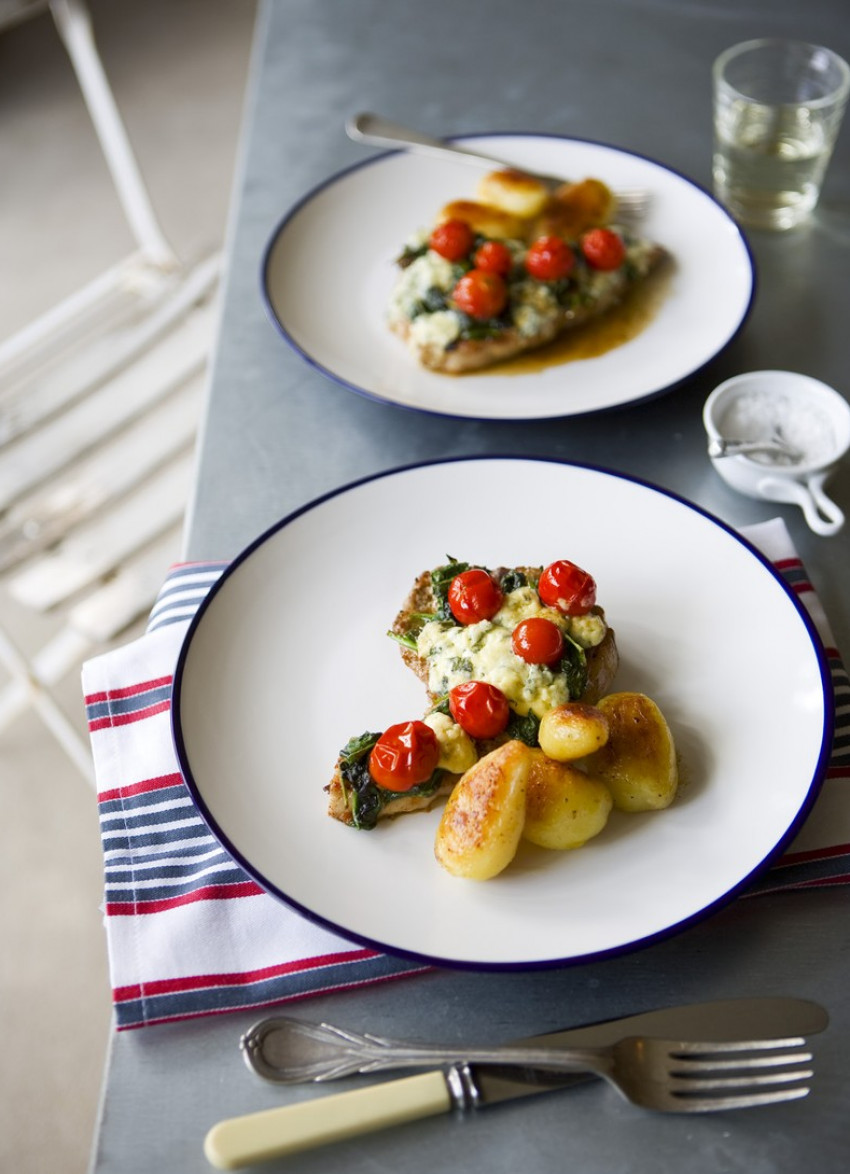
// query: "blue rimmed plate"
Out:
[329,268]
[288,658]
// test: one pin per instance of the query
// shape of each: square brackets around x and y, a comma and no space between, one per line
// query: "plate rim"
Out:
[813,788]
[381,157]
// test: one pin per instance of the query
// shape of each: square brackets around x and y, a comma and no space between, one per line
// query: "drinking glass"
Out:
[778,106]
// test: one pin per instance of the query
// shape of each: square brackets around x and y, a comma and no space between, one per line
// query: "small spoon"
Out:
[720,446]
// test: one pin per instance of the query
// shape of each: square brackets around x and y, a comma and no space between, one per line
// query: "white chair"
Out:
[99,400]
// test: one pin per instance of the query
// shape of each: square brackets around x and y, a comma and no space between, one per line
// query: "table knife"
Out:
[290,1129]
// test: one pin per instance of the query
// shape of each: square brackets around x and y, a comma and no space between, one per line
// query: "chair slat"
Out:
[45,452]
[51,511]
[96,549]
[108,611]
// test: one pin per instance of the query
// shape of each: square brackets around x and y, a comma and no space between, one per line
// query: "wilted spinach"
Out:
[524,727]
[364,797]
[574,667]
[441,581]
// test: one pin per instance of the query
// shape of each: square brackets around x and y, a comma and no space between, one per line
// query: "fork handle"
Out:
[276,1133]
[380,132]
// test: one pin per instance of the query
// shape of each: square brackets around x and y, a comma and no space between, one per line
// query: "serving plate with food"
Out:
[309,640]
[417,281]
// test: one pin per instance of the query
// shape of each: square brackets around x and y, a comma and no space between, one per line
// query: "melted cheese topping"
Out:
[533,306]
[430,271]
[482,652]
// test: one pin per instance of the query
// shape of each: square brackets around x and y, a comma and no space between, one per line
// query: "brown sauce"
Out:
[611,330]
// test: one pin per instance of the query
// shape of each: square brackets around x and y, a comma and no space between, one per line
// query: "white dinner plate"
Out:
[289,657]
[329,269]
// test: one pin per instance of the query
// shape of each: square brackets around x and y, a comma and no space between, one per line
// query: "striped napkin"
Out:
[190,934]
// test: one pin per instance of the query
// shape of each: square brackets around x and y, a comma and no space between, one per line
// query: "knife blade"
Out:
[290,1129]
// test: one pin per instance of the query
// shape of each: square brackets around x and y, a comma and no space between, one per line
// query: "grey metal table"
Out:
[277,434]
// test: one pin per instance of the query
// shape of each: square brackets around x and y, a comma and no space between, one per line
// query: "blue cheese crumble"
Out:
[482,652]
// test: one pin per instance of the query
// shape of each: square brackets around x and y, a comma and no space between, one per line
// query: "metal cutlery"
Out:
[669,1075]
[377,131]
[290,1051]
[751,1052]
[719,446]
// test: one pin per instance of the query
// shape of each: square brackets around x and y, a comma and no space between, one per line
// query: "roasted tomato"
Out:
[494,257]
[481,294]
[538,641]
[549,259]
[480,709]
[404,755]
[452,239]
[474,596]
[603,249]
[568,588]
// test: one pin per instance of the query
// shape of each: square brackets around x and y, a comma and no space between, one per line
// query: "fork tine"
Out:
[750,1064]
[697,1104]
[713,1047]
[632,195]
[695,1064]
[632,201]
[702,1075]
[684,1084]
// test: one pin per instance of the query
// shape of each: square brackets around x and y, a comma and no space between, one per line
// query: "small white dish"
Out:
[800,411]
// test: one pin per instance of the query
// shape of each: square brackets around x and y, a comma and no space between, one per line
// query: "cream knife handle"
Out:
[275,1133]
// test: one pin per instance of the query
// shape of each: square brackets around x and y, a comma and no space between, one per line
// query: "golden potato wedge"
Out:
[577,207]
[572,731]
[513,191]
[564,808]
[484,218]
[482,822]
[638,762]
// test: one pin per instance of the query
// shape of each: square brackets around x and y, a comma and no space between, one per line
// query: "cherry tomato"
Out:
[481,294]
[452,239]
[538,641]
[480,709]
[568,588]
[473,596]
[494,257]
[404,755]
[603,249]
[549,259]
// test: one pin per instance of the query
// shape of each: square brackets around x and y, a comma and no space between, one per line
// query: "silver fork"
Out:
[632,203]
[667,1075]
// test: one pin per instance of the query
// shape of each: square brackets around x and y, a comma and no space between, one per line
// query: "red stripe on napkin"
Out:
[202,982]
[128,691]
[207,893]
[815,854]
[155,784]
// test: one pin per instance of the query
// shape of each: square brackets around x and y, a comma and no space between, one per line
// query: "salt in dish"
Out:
[811,422]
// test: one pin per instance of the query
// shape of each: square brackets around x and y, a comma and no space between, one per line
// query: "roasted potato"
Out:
[564,808]
[572,731]
[577,207]
[514,191]
[485,218]
[482,822]
[638,762]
